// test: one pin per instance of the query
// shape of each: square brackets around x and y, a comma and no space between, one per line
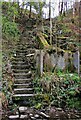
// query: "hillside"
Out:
[39,77]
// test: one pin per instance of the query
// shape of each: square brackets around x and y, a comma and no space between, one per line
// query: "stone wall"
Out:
[46,62]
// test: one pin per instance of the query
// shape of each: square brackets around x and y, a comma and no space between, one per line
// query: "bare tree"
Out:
[50,19]
[30,10]
[79,52]
[61,7]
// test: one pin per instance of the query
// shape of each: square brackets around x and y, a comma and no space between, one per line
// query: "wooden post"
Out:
[50,19]
[1,58]
[78,62]
[41,62]
[37,57]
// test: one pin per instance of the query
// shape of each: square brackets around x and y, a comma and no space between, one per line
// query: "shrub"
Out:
[10,29]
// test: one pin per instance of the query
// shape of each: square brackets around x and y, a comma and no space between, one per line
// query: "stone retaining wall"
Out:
[46,61]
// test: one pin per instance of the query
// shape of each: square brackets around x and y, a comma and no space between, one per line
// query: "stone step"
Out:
[23,99]
[28,73]
[18,59]
[20,70]
[23,85]
[22,62]
[21,51]
[23,58]
[19,55]
[22,81]
[19,63]
[28,50]
[16,117]
[23,95]
[20,47]
[21,44]
[23,75]
[23,90]
[20,66]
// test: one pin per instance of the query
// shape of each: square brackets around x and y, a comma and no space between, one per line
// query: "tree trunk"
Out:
[50,19]
[49,9]
[79,32]
[18,6]
[30,11]
[41,62]
[61,8]
[78,62]
[66,6]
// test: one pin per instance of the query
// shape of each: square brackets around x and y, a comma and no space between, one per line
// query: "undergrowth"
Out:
[60,90]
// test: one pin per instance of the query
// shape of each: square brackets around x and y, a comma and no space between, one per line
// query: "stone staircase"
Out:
[22,66]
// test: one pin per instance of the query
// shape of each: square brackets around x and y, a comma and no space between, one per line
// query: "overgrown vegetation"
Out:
[60,90]
[10,36]
[10,29]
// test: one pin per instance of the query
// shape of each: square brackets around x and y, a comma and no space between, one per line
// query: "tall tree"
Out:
[50,19]
[18,6]
[61,7]
[79,52]
[30,10]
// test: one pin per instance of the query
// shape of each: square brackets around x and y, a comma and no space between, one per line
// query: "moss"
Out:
[42,40]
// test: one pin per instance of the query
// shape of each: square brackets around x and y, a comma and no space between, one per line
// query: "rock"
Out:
[44,115]
[17,113]
[36,116]
[62,115]
[61,62]
[75,59]
[57,115]
[0,117]
[47,62]
[59,109]
[30,114]
[22,109]
[14,117]
[52,113]
[33,118]
[24,116]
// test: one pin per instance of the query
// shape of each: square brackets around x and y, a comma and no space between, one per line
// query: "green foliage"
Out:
[38,6]
[65,90]
[9,14]
[37,87]
[38,105]
[65,31]
[10,29]
[10,10]
[74,103]
[43,42]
